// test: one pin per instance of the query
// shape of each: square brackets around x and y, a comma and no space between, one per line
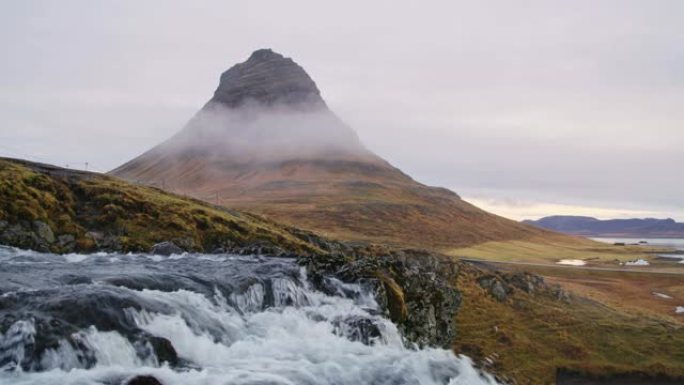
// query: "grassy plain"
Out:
[545,250]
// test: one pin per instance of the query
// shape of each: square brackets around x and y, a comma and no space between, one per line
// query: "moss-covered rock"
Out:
[396,304]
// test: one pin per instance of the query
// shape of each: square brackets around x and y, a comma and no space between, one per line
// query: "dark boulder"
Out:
[143,380]
[164,350]
[495,286]
[526,281]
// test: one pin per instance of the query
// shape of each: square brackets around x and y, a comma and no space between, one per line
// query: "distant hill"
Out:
[627,228]
[48,208]
[268,143]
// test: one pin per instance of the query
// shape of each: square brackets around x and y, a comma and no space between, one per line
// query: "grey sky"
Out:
[527,108]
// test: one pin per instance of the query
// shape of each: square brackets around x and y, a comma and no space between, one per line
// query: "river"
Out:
[199,319]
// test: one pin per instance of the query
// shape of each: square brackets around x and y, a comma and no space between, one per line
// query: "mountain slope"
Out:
[588,226]
[268,143]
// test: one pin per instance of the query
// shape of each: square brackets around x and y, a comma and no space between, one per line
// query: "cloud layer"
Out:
[575,104]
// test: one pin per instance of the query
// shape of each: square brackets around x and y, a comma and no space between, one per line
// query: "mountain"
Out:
[268,143]
[628,228]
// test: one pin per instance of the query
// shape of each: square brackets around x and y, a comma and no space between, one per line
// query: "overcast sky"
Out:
[527,108]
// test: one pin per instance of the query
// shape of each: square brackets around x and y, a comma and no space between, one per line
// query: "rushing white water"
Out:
[276,330]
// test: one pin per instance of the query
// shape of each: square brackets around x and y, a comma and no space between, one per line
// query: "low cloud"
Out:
[576,103]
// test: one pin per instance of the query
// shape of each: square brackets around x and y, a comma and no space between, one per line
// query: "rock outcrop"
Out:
[166,248]
[36,235]
[416,289]
[501,284]
[267,78]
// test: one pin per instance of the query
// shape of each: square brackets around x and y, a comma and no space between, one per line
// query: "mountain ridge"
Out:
[628,228]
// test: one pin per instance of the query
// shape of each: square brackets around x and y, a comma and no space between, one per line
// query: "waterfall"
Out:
[105,318]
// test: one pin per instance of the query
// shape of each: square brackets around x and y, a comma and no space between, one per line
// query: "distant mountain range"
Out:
[627,228]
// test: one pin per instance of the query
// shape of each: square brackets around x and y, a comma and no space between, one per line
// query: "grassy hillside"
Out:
[50,208]
[352,199]
[529,335]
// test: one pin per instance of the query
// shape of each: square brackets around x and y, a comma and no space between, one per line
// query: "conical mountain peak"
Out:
[266,142]
[268,78]
[265,54]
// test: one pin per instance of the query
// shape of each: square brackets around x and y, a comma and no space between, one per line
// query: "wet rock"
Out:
[184,243]
[24,236]
[105,242]
[259,248]
[166,249]
[143,380]
[359,329]
[164,350]
[66,240]
[43,231]
[395,299]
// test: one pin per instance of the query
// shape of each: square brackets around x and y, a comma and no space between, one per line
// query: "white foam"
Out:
[75,258]
[213,258]
[296,344]
[304,337]
[679,310]
[661,295]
